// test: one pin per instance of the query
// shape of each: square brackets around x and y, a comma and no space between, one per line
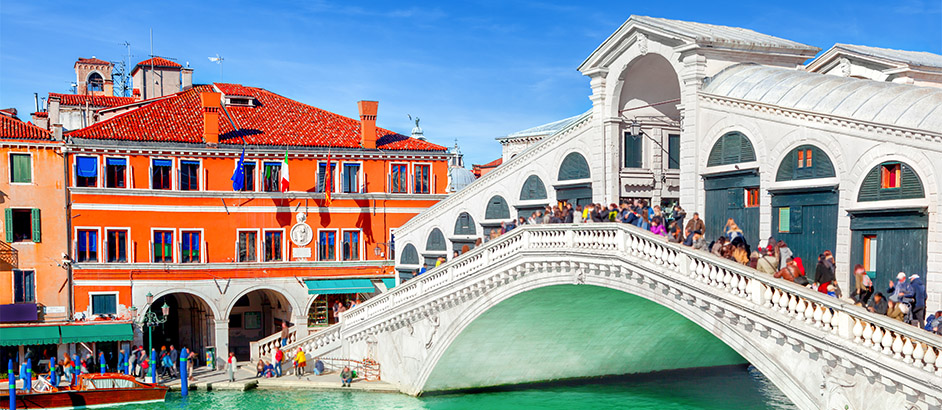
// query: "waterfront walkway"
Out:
[245,380]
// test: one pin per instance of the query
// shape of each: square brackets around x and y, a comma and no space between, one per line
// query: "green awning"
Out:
[29,335]
[106,332]
[389,282]
[339,286]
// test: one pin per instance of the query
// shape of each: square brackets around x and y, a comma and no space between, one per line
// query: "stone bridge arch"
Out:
[770,363]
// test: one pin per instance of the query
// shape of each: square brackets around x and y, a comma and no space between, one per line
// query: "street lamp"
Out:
[150,319]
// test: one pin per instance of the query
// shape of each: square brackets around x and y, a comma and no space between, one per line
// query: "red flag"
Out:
[327,183]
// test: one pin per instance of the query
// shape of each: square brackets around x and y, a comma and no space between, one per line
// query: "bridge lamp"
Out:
[150,298]
[165,309]
[635,128]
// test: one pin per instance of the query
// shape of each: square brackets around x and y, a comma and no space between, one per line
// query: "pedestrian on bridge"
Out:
[277,357]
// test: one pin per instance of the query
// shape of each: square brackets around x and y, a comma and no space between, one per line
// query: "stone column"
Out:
[222,342]
[604,138]
[301,322]
[691,187]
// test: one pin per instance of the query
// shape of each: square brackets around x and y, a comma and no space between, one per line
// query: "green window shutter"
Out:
[634,149]
[574,166]
[910,185]
[673,151]
[497,208]
[786,170]
[37,226]
[533,189]
[8,224]
[22,171]
[870,187]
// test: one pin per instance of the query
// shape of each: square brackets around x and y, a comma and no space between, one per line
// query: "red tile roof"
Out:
[493,164]
[41,114]
[13,128]
[158,62]
[97,101]
[91,61]
[274,121]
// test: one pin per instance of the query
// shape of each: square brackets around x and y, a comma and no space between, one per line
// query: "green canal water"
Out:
[723,388]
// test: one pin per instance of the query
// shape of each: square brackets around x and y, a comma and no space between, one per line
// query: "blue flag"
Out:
[238,177]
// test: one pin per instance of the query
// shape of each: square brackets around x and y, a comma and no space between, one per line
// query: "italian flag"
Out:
[284,174]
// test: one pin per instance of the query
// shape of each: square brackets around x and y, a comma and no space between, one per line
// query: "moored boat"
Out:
[91,391]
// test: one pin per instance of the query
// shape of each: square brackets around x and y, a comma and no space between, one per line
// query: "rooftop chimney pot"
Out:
[210,104]
[368,111]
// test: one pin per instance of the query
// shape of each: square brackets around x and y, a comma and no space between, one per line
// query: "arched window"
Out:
[891,180]
[805,162]
[465,225]
[95,82]
[436,241]
[409,256]
[497,208]
[533,188]
[731,148]
[574,166]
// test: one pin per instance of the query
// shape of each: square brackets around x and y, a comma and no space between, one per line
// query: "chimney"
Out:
[53,108]
[210,104]
[368,123]
[57,132]
[109,88]
[186,78]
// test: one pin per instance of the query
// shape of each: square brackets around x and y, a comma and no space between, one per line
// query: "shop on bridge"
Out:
[732,194]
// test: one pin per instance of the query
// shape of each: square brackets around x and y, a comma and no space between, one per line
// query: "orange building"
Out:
[153,211]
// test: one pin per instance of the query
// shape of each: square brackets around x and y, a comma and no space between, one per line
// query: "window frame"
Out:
[624,149]
[787,211]
[150,174]
[13,285]
[127,171]
[127,243]
[281,244]
[29,212]
[414,179]
[747,202]
[334,171]
[98,172]
[360,176]
[319,243]
[391,179]
[199,174]
[885,175]
[870,254]
[671,137]
[91,301]
[263,182]
[173,245]
[97,230]
[202,241]
[359,233]
[254,163]
[32,180]
[256,231]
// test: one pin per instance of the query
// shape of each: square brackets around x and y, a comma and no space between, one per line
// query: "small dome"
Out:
[417,133]
[459,178]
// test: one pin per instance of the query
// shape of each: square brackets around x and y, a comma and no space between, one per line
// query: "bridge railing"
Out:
[315,342]
[262,348]
[720,276]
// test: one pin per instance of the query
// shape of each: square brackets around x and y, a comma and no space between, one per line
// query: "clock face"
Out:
[301,234]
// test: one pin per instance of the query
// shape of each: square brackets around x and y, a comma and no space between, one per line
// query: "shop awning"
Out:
[389,282]
[29,335]
[339,286]
[105,332]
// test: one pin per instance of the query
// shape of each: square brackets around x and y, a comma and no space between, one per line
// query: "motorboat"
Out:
[90,391]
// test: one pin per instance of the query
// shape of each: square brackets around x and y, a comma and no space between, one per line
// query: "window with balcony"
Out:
[272,180]
[163,246]
[351,245]
[326,246]
[160,172]
[422,179]
[351,178]
[21,171]
[273,246]
[189,175]
[87,245]
[86,172]
[399,179]
[24,286]
[117,243]
[247,246]
[115,172]
[190,246]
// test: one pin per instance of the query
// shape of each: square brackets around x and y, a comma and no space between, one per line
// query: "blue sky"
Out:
[472,70]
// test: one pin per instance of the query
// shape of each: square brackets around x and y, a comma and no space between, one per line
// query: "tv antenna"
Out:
[218,60]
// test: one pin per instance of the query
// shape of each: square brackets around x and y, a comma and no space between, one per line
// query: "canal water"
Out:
[723,388]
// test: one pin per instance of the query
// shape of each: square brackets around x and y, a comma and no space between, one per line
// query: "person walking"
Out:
[784,254]
[300,360]
[277,357]
[174,359]
[346,376]
[132,361]
[191,364]
[919,305]
[284,333]
[231,366]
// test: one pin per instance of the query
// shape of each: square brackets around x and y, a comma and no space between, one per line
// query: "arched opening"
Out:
[408,262]
[802,216]
[648,97]
[574,168]
[496,212]
[435,247]
[892,238]
[533,190]
[562,341]
[191,323]
[255,315]
[732,195]
[95,83]
[464,234]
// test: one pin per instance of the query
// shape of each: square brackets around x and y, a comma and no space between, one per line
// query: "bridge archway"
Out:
[191,322]
[602,347]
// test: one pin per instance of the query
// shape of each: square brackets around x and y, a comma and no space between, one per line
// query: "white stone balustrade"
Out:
[263,348]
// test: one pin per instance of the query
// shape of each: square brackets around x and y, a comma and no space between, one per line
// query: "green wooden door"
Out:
[807,221]
[901,244]
[726,198]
